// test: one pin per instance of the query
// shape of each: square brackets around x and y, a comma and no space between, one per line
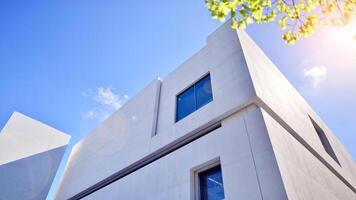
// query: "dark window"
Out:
[211,184]
[324,141]
[186,103]
[203,92]
[194,97]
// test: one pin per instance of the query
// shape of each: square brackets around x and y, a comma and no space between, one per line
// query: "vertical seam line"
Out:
[253,158]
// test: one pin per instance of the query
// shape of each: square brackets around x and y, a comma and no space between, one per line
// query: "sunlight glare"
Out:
[345,35]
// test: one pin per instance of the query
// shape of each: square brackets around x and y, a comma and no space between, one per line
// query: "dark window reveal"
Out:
[324,141]
[194,97]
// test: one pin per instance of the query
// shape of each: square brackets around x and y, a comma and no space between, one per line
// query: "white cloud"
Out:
[88,114]
[316,74]
[107,97]
[104,101]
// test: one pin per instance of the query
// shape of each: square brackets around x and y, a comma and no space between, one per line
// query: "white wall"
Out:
[241,75]
[305,177]
[231,86]
[31,177]
[281,100]
[22,137]
[238,145]
[120,140]
[30,153]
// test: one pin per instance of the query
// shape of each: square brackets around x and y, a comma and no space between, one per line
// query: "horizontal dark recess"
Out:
[177,144]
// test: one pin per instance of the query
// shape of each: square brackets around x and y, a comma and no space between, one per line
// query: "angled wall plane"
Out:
[30,153]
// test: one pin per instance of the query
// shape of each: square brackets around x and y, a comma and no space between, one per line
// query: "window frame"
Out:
[196,178]
[193,85]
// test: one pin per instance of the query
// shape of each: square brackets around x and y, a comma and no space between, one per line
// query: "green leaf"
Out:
[233,23]
[241,25]
[249,20]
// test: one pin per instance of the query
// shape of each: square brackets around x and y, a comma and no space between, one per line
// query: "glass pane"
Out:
[203,92]
[211,184]
[185,103]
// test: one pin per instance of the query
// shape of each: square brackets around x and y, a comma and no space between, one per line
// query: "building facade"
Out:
[226,124]
[30,154]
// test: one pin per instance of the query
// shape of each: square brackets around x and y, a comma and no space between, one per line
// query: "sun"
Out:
[345,35]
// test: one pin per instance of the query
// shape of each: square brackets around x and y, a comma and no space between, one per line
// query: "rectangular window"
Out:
[211,186]
[193,98]
[324,141]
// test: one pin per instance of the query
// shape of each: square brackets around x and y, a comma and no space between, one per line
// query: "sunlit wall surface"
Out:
[30,153]
[252,124]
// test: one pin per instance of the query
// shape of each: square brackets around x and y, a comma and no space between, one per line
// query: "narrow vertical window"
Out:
[324,141]
[211,186]
[193,98]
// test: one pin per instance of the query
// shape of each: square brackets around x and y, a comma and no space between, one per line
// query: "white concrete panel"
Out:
[279,98]
[30,153]
[171,176]
[30,178]
[269,177]
[120,140]
[22,137]
[231,86]
[304,176]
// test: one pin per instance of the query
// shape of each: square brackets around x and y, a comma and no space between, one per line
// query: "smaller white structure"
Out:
[30,153]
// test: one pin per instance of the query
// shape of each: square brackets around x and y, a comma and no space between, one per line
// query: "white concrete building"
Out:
[30,153]
[226,124]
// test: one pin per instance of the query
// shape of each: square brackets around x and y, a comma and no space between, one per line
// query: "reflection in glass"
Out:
[194,98]
[185,103]
[211,184]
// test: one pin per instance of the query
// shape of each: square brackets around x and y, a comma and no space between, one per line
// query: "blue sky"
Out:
[70,64]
